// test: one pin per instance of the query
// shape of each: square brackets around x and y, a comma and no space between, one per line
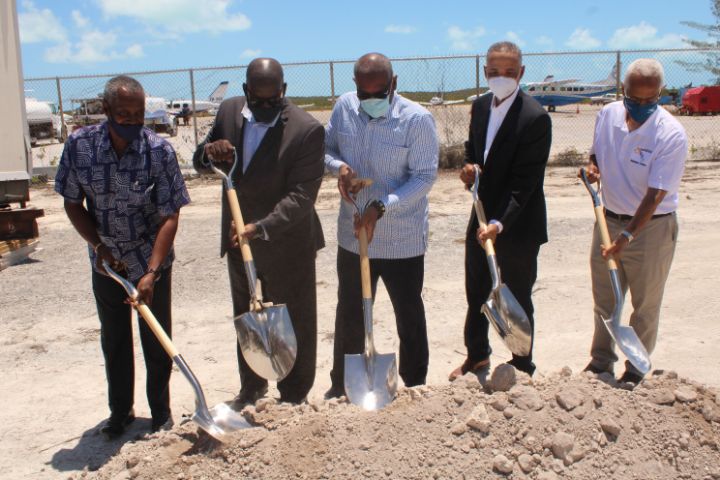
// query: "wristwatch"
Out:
[630,237]
[379,206]
[154,272]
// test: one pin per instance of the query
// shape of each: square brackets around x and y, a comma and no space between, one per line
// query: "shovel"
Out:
[370,377]
[218,421]
[501,307]
[624,335]
[265,333]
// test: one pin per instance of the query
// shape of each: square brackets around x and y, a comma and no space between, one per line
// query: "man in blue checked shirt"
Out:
[375,133]
[123,192]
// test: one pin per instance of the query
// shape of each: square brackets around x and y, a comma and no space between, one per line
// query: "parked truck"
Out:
[701,101]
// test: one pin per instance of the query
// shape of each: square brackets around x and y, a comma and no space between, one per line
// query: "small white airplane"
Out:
[435,101]
[210,105]
[554,93]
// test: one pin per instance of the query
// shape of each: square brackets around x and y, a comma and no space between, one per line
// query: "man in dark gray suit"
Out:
[281,150]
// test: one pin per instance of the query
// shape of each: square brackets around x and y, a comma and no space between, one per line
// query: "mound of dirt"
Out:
[578,426]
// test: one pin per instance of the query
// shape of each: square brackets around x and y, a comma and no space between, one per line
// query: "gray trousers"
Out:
[643,268]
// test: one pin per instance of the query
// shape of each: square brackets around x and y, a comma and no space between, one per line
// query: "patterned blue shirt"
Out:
[399,152]
[127,197]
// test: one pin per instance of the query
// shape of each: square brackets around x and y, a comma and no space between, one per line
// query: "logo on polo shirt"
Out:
[640,152]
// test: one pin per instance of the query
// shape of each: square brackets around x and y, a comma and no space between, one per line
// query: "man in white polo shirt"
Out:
[639,152]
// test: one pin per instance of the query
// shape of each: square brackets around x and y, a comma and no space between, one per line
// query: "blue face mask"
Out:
[639,112]
[375,107]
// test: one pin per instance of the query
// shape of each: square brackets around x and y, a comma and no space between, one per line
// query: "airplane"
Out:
[435,101]
[554,93]
[210,105]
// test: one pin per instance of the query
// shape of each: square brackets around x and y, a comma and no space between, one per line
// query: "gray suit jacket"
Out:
[279,188]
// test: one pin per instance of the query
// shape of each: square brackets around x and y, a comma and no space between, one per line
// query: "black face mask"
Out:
[264,110]
[127,132]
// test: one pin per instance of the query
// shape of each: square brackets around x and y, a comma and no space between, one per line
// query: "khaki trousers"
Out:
[643,268]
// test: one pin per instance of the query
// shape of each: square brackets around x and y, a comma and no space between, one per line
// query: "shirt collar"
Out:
[249,117]
[505,106]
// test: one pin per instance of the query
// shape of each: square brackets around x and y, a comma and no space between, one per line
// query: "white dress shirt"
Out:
[254,132]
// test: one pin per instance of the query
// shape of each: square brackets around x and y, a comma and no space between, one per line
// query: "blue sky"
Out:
[77,37]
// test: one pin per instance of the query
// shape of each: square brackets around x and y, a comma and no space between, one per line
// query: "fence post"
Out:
[617,76]
[194,116]
[332,82]
[63,127]
[477,75]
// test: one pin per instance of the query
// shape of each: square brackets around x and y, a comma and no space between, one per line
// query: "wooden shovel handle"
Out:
[604,234]
[157,329]
[480,213]
[365,265]
[239,224]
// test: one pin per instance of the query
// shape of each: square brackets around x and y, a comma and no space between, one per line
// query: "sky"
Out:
[80,37]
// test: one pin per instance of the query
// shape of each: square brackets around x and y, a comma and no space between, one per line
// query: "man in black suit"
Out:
[510,136]
[281,151]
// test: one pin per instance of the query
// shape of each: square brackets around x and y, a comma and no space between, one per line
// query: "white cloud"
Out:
[250,53]
[582,39]
[179,16]
[464,40]
[79,19]
[39,25]
[93,47]
[402,29]
[544,41]
[515,38]
[644,35]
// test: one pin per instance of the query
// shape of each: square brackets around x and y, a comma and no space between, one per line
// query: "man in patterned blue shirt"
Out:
[130,182]
[377,134]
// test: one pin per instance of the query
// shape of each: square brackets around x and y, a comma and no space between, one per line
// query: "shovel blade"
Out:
[267,341]
[219,421]
[509,320]
[371,381]
[630,344]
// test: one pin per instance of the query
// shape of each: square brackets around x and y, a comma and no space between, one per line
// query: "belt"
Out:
[626,218]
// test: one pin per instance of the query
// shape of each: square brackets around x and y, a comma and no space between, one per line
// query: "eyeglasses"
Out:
[381,95]
[253,101]
[644,101]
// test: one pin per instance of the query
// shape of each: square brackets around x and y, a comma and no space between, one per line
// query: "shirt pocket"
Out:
[140,193]
[641,156]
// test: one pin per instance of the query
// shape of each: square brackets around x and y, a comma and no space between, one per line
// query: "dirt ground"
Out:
[53,382]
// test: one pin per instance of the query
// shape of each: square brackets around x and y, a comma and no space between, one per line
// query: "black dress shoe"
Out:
[164,422]
[597,371]
[631,377]
[334,392]
[247,397]
[115,425]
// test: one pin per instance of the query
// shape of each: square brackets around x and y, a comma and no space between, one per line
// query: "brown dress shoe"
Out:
[469,366]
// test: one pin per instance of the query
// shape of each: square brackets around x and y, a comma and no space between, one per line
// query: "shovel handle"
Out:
[604,234]
[239,224]
[480,213]
[157,329]
[364,264]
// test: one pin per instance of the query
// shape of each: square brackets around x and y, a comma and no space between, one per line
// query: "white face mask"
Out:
[502,87]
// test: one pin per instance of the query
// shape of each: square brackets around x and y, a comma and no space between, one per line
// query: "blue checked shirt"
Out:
[127,197]
[399,152]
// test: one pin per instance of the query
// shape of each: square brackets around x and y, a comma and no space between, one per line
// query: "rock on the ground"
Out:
[503,378]
[479,419]
[502,464]
[526,463]
[562,445]
[610,426]
[685,395]
[662,396]
[526,398]
[569,399]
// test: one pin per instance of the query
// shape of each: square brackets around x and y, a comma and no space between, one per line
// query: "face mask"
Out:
[127,132]
[502,87]
[375,107]
[265,114]
[639,112]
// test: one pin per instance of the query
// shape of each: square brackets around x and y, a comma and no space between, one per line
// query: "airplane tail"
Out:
[612,78]
[219,93]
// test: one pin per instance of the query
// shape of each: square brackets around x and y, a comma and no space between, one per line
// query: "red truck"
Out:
[701,101]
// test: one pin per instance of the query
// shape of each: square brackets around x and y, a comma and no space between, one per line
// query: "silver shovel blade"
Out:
[371,381]
[267,341]
[509,320]
[630,344]
[219,421]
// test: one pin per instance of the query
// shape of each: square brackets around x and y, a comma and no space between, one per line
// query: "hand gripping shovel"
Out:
[265,333]
[370,377]
[501,307]
[217,421]
[624,336]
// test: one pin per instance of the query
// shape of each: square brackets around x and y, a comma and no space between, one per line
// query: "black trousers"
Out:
[518,269]
[117,346]
[290,281]
[403,279]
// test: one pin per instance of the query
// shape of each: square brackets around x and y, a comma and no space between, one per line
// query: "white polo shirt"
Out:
[652,156]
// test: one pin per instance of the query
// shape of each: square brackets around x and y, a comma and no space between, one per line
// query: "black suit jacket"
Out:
[511,186]
[279,188]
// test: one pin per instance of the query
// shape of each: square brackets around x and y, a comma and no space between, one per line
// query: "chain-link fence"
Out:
[573,86]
